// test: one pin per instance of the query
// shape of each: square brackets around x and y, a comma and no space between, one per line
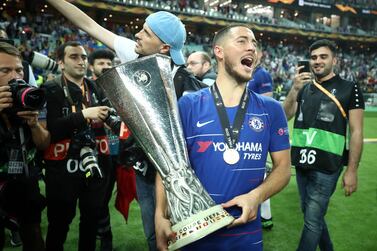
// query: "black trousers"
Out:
[21,204]
[63,191]
[104,224]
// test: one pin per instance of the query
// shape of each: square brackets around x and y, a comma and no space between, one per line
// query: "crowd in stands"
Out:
[238,12]
[44,33]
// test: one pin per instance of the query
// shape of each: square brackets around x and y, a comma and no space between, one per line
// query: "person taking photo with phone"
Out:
[327,135]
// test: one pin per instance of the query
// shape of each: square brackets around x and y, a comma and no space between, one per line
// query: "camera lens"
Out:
[89,162]
[26,96]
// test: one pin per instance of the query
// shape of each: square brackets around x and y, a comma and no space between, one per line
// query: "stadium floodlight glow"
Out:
[214,3]
[225,3]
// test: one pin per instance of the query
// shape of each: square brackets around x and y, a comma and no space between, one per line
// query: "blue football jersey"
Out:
[264,130]
[261,82]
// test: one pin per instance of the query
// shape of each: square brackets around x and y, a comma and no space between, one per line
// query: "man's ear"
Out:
[218,51]
[334,61]
[164,49]
[91,68]
[61,64]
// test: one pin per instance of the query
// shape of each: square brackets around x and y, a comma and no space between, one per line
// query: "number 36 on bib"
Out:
[307,156]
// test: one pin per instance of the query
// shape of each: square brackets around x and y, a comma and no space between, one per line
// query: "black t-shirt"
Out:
[319,111]
[11,159]
[65,120]
[185,81]
[320,130]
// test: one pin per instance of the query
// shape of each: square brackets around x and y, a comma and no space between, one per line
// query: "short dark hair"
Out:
[99,54]
[9,49]
[60,52]
[324,43]
[224,31]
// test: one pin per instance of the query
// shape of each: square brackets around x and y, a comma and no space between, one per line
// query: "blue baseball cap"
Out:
[171,31]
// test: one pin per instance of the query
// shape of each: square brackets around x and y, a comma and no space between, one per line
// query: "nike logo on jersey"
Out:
[198,124]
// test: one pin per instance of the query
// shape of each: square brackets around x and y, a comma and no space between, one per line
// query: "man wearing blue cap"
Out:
[162,33]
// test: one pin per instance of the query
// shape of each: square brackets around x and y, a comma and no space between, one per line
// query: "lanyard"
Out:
[231,133]
[85,93]
[332,97]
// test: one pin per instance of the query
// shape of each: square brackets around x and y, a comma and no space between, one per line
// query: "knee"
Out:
[313,221]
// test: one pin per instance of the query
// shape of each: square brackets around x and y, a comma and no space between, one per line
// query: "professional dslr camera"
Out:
[83,147]
[25,96]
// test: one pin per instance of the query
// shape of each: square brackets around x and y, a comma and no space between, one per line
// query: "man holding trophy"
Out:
[229,132]
[161,33]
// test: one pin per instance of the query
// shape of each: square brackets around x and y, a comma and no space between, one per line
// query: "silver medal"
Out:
[231,156]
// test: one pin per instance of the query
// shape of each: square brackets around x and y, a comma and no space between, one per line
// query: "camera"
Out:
[26,96]
[113,120]
[38,60]
[82,146]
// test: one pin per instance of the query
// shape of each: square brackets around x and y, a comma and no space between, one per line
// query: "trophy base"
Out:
[199,225]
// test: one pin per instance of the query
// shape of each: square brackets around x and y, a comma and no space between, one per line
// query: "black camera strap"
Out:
[67,94]
[24,151]
[17,160]
[85,94]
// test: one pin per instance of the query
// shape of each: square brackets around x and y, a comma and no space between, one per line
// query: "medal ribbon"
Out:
[231,133]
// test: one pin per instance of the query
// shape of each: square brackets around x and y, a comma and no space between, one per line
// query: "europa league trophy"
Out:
[142,92]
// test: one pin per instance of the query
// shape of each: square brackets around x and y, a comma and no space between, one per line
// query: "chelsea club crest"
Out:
[256,124]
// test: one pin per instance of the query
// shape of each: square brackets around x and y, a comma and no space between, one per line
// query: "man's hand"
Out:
[5,97]
[349,181]
[164,233]
[96,113]
[249,203]
[31,117]
[301,78]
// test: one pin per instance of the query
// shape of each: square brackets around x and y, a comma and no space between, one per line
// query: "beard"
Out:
[326,71]
[240,79]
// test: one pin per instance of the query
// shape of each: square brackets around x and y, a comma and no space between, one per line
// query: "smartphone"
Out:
[306,67]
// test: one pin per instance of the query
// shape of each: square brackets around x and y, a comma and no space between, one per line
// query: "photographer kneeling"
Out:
[21,135]
[77,158]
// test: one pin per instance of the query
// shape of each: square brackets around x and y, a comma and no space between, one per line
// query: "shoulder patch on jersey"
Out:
[283,131]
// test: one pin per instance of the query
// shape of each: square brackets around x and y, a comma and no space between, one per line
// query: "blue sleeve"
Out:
[279,133]
[265,83]
[185,114]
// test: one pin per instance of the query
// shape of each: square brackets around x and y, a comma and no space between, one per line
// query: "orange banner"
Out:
[345,8]
[282,1]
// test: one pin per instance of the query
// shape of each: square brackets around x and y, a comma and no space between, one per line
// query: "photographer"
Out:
[79,148]
[101,60]
[20,135]
[28,71]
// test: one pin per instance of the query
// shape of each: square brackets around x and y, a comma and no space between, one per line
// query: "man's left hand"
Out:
[349,181]
[249,204]
[31,117]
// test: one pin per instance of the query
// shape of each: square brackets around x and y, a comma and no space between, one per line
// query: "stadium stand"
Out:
[44,30]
